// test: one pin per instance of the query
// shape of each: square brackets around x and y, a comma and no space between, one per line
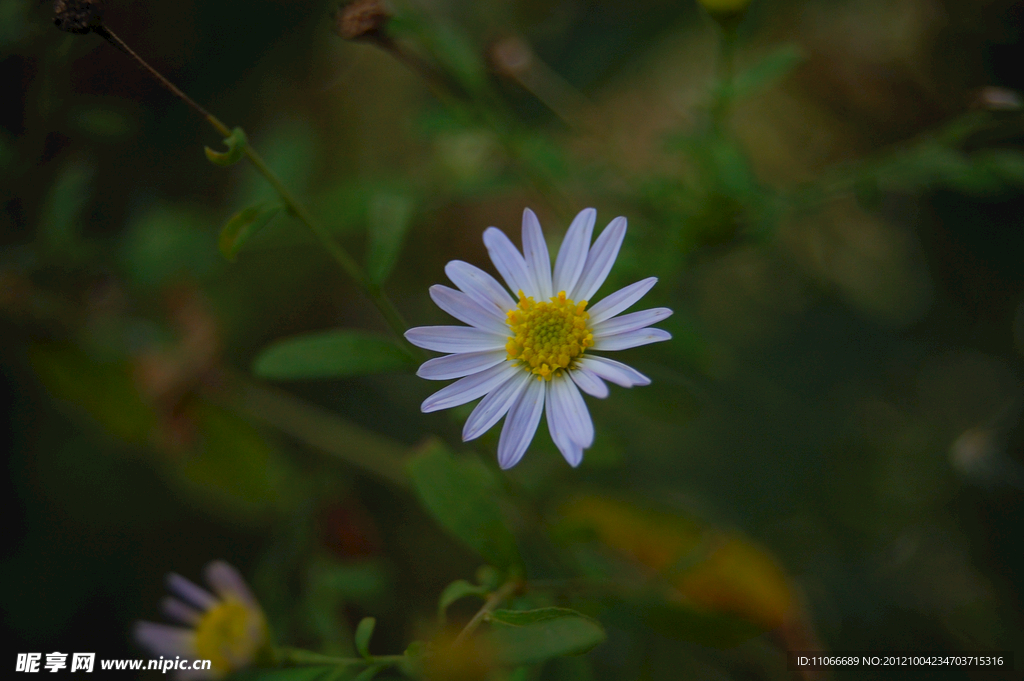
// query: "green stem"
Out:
[494,599]
[726,68]
[337,251]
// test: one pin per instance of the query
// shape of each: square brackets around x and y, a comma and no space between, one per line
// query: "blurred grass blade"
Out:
[364,632]
[390,216]
[243,225]
[460,494]
[527,637]
[768,71]
[331,354]
[236,143]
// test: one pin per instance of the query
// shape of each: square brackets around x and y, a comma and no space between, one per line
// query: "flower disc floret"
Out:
[224,635]
[548,337]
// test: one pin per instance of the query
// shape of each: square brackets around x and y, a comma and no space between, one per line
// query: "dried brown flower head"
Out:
[361,19]
[77,16]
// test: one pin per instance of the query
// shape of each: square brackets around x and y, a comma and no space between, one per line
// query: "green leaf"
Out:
[363,634]
[236,144]
[243,225]
[461,495]
[331,354]
[531,636]
[458,589]
[771,69]
[390,216]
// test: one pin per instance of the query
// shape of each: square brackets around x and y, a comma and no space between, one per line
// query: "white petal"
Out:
[572,256]
[535,252]
[164,640]
[615,372]
[189,592]
[570,412]
[455,339]
[480,286]
[521,424]
[600,260]
[180,611]
[630,322]
[465,309]
[621,300]
[229,583]
[508,261]
[572,452]
[494,405]
[460,364]
[631,339]
[469,388]
[589,382]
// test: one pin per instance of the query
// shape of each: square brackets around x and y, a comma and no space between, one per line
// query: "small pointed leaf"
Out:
[363,634]
[236,143]
[243,225]
[331,354]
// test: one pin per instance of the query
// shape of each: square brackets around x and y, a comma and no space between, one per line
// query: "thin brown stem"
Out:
[104,32]
[494,599]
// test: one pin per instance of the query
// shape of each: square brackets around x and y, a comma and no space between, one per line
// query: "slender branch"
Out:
[347,263]
[104,32]
[494,599]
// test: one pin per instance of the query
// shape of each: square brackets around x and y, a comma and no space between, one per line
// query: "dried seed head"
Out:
[77,16]
[361,19]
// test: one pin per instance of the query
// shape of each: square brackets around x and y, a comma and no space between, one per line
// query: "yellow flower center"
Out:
[229,635]
[548,337]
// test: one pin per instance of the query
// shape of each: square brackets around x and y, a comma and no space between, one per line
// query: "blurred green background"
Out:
[838,228]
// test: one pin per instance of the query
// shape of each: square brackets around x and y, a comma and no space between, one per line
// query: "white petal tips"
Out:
[454,339]
[572,256]
[600,260]
[459,365]
[508,261]
[494,406]
[465,309]
[614,372]
[569,412]
[521,424]
[633,321]
[480,286]
[469,388]
[621,300]
[631,339]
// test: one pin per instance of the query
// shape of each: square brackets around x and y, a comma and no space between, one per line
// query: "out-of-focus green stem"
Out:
[318,428]
[337,251]
[494,599]
[726,71]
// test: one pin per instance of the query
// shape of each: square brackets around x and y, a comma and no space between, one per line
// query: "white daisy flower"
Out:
[544,332]
[228,629]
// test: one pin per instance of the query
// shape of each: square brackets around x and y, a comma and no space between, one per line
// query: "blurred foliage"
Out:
[829,456]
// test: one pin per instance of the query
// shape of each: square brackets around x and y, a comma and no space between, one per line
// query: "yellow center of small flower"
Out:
[229,635]
[548,337]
